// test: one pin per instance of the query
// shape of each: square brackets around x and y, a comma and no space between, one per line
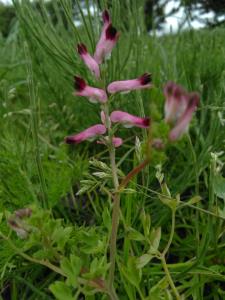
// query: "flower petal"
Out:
[183,122]
[176,101]
[108,39]
[88,60]
[88,133]
[87,91]
[129,120]
[142,82]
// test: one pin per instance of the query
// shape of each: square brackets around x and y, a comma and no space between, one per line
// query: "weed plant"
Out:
[63,251]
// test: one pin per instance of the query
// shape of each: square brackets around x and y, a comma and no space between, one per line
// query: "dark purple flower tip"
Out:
[13,223]
[111,32]
[105,16]
[79,83]
[146,78]
[169,88]
[194,99]
[178,92]
[70,140]
[146,122]
[81,49]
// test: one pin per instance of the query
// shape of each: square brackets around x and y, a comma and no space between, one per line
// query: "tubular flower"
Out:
[129,120]
[108,39]
[106,19]
[143,82]
[182,123]
[94,94]
[87,134]
[176,101]
[117,141]
[88,60]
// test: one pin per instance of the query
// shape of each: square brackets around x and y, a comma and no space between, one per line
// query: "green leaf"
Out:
[61,235]
[155,237]
[194,200]
[131,272]
[158,291]
[71,267]
[61,291]
[219,186]
[135,235]
[146,223]
[106,218]
[143,260]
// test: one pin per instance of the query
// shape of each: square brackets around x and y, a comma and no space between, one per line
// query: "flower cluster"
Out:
[179,108]
[108,39]
[179,105]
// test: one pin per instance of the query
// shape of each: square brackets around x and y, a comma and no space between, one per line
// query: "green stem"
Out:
[115,220]
[169,278]
[171,233]
[116,208]
[45,263]
[163,254]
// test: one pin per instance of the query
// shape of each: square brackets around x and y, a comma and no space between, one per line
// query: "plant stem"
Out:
[116,207]
[132,173]
[171,233]
[45,263]
[115,220]
[163,254]
[175,291]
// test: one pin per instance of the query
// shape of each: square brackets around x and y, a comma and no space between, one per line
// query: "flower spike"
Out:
[87,134]
[143,82]
[94,94]
[179,108]
[88,60]
[129,120]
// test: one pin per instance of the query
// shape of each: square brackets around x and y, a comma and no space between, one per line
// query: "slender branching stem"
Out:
[163,259]
[45,263]
[169,278]
[171,233]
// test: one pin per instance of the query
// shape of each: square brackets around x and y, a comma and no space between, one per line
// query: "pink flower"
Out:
[88,60]
[117,141]
[129,120]
[94,94]
[87,134]
[183,121]
[176,101]
[142,82]
[108,39]
[106,19]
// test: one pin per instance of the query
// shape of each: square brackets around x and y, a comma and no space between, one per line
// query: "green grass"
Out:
[38,110]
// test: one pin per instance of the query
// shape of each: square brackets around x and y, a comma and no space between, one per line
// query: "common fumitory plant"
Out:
[179,108]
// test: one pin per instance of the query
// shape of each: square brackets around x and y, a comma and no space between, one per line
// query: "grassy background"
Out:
[38,110]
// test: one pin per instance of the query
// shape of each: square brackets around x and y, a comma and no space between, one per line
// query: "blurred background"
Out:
[161,15]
